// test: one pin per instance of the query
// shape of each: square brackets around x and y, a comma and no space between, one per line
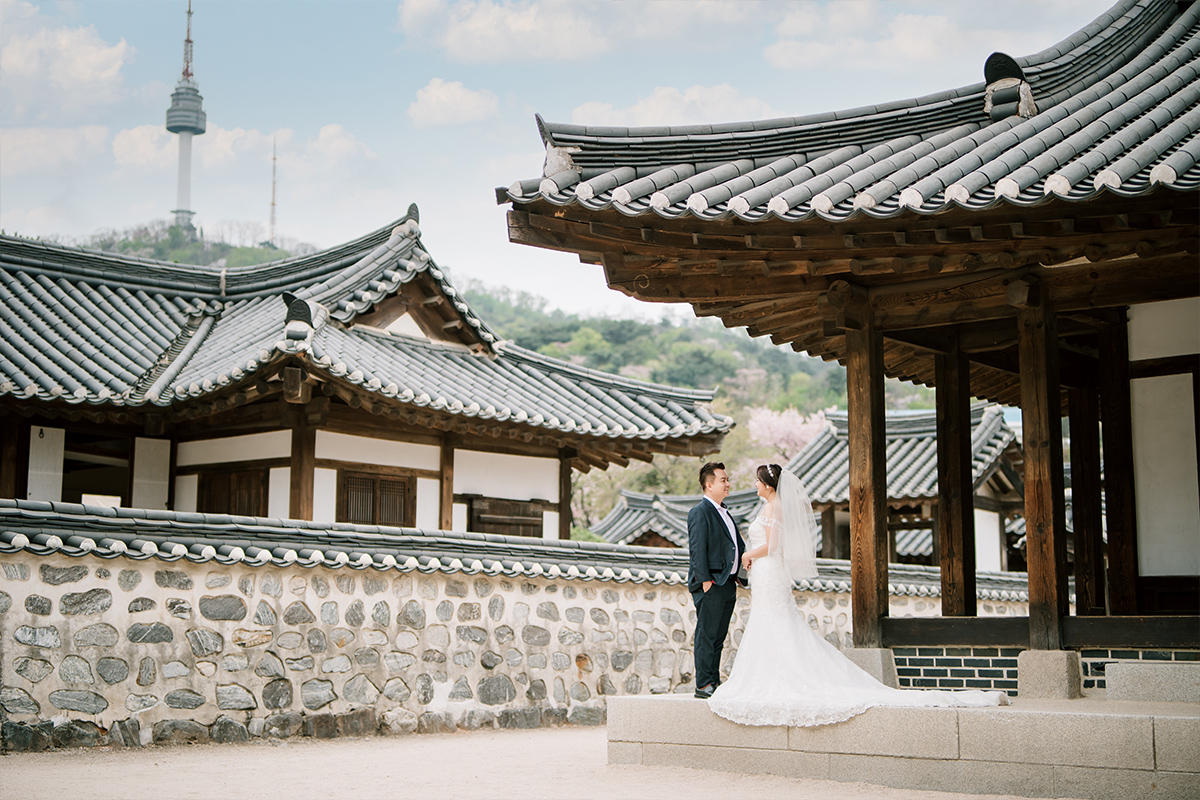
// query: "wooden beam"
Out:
[10,462]
[1084,407]
[1157,632]
[302,469]
[446,484]
[956,632]
[956,511]
[868,484]
[565,457]
[1119,487]
[829,533]
[1045,518]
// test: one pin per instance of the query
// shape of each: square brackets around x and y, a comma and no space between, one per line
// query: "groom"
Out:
[715,551]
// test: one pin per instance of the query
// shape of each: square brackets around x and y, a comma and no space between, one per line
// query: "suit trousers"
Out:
[714,609]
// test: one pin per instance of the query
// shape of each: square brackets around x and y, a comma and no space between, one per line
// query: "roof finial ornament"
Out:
[1008,93]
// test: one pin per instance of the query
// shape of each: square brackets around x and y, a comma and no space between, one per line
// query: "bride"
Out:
[785,673]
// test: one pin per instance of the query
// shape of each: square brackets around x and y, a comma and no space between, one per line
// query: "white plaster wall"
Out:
[549,524]
[46,447]
[428,498]
[989,540]
[251,447]
[458,520]
[1165,474]
[324,494]
[1169,328]
[504,476]
[279,492]
[407,326]
[151,472]
[187,490]
[363,450]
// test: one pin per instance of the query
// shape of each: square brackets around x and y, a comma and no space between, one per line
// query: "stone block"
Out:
[1125,784]
[20,738]
[791,764]
[360,722]
[321,726]
[78,733]
[586,715]
[228,731]
[281,726]
[476,719]
[431,722]
[624,752]
[1056,737]
[125,733]
[521,718]
[903,732]
[1052,674]
[553,717]
[678,719]
[1154,681]
[878,662]
[1177,744]
[79,700]
[976,777]
[180,731]
[398,721]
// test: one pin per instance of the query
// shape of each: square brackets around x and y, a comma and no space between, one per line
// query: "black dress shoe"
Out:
[705,692]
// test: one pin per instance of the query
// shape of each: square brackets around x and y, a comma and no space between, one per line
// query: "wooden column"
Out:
[10,463]
[828,534]
[1119,490]
[956,507]
[446,484]
[566,455]
[1084,408]
[1045,519]
[868,483]
[303,467]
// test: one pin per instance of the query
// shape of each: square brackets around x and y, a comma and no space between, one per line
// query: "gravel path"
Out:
[492,765]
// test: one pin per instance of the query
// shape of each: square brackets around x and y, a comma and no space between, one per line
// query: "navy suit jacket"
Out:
[711,552]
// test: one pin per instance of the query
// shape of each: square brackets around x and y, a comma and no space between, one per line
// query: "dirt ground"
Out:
[496,765]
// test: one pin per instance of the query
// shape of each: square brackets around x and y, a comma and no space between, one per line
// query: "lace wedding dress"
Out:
[786,674]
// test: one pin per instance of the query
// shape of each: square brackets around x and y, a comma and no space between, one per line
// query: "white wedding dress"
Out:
[786,674]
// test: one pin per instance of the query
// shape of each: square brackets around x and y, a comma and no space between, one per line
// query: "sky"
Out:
[376,105]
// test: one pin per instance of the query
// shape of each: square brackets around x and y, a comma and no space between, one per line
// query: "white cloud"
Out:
[485,31]
[45,220]
[440,103]
[48,68]
[220,147]
[666,105]
[146,147]
[51,149]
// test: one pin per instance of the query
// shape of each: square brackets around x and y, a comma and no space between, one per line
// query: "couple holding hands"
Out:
[784,673]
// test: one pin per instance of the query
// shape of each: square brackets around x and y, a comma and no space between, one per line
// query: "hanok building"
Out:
[1030,240]
[351,385]
[823,467]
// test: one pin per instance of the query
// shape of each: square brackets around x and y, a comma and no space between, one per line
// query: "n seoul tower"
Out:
[186,117]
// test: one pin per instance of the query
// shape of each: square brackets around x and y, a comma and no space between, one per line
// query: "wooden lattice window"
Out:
[240,492]
[366,498]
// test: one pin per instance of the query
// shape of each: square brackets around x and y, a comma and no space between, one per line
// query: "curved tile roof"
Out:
[43,529]
[1119,106]
[94,328]
[636,514]
[911,451]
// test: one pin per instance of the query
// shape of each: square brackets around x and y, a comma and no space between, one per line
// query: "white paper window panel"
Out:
[1168,328]
[279,493]
[1164,472]
[989,540]
[428,497]
[324,494]
[549,524]
[381,452]
[46,447]
[458,517]
[151,472]
[250,447]
[504,476]
[187,490]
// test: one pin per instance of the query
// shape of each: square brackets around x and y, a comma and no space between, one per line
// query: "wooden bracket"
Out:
[296,388]
[1025,293]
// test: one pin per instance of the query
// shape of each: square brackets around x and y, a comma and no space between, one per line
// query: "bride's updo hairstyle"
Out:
[769,474]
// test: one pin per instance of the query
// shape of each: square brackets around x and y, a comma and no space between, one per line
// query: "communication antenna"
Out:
[186,117]
[272,237]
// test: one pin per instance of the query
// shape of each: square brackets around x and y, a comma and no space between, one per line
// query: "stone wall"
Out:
[137,651]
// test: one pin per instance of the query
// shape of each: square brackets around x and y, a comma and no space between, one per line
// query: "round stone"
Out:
[270,666]
[373,585]
[513,657]
[504,634]
[206,668]
[398,662]
[329,613]
[18,701]
[366,657]
[205,642]
[38,605]
[142,604]
[490,660]
[336,664]
[171,579]
[228,731]
[290,640]
[569,638]
[445,610]
[548,611]
[235,662]
[560,661]
[184,698]
[99,635]
[264,614]
[496,608]
[373,637]
[277,694]
[406,640]
[79,700]
[535,636]
[317,693]
[574,614]
[271,585]
[468,612]
[359,689]
[215,580]
[140,702]
[341,637]
[356,614]
[669,616]
[345,584]
[599,616]
[320,586]
[74,669]
[537,661]
[461,690]
[5,602]
[606,686]
[424,689]
[57,576]
[381,614]
[496,690]
[471,633]
[302,664]
[147,672]
[456,588]
[396,690]
[316,641]
[153,633]
[412,615]
[298,614]
[235,697]
[128,580]
[33,670]
[38,637]
[179,608]
[223,607]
